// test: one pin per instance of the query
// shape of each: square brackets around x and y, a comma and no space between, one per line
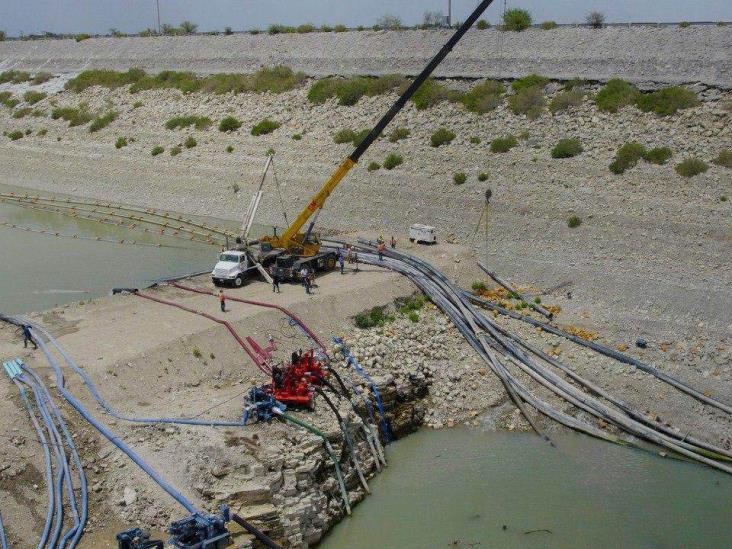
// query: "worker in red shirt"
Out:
[222,301]
[381,249]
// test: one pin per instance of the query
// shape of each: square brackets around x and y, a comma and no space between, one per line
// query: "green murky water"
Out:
[459,487]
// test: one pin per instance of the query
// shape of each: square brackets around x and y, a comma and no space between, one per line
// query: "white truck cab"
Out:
[422,234]
[231,268]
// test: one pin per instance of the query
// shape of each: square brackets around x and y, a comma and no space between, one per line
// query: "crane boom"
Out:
[289,237]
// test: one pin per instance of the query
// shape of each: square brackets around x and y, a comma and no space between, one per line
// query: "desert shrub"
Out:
[81,37]
[658,155]
[190,142]
[431,92]
[615,95]
[413,317]
[228,31]
[389,22]
[442,136]
[530,81]
[360,136]
[326,28]
[562,101]
[459,178]
[482,24]
[137,104]
[14,77]
[264,127]
[156,150]
[186,82]
[574,222]
[398,134]
[229,124]
[344,135]
[15,135]
[548,25]
[103,121]
[340,28]
[574,83]
[392,161]
[75,116]
[175,151]
[567,148]
[296,136]
[691,167]
[198,122]
[478,286]
[723,198]
[484,97]
[7,99]
[482,176]
[121,142]
[528,101]
[516,20]
[22,113]
[373,166]
[376,316]
[684,24]
[475,140]
[503,144]
[2,36]
[105,78]
[724,158]
[279,29]
[627,156]
[410,304]
[305,28]
[667,101]
[350,90]
[595,19]
[32,97]
[277,79]
[229,148]
[38,113]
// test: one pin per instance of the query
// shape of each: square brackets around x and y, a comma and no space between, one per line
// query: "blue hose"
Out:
[109,435]
[3,537]
[383,424]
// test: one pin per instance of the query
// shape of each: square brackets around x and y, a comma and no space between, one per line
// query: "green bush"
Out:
[75,116]
[22,113]
[121,142]
[564,100]
[478,286]
[516,20]
[374,317]
[530,81]
[32,97]
[137,104]
[42,132]
[360,136]
[105,78]
[373,166]
[667,101]
[414,317]
[431,93]
[658,155]
[567,148]
[279,29]
[81,37]
[326,28]
[350,90]
[344,135]
[179,122]
[229,148]
[574,222]
[306,28]
[482,24]
[442,136]
[615,95]
[392,161]
[398,134]
[484,97]
[475,140]
[548,25]
[264,127]
[277,79]
[296,136]
[190,142]
[574,83]
[7,99]
[14,77]
[410,304]
[691,167]
[459,178]
[503,144]
[175,151]
[482,176]
[229,124]
[156,150]
[2,36]
[627,156]
[724,158]
[340,28]
[103,121]
[528,101]
[15,135]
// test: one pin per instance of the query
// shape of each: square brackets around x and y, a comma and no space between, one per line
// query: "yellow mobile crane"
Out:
[294,248]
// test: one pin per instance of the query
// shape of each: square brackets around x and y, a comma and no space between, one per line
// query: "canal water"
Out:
[467,488]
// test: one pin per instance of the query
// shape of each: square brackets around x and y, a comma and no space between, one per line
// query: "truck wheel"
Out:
[330,265]
[238,281]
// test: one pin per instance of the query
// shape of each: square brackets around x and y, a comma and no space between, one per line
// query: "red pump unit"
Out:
[293,384]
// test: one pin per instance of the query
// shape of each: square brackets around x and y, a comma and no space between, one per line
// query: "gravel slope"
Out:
[640,54]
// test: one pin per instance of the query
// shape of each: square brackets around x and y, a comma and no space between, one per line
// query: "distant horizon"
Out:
[20,18]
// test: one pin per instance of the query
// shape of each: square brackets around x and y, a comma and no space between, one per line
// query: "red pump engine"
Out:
[293,384]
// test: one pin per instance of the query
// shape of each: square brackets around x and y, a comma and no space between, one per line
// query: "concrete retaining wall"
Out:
[668,55]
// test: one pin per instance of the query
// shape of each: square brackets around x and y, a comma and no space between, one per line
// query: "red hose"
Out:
[258,304]
[210,317]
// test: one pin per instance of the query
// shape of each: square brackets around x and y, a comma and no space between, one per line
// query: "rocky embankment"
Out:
[643,54]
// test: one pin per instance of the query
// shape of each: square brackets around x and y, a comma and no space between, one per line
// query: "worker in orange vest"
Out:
[222,301]
[381,249]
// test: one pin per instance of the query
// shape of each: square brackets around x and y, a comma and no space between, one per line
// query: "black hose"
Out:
[256,532]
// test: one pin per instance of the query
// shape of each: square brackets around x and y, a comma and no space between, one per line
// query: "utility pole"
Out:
[157,6]
[449,13]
